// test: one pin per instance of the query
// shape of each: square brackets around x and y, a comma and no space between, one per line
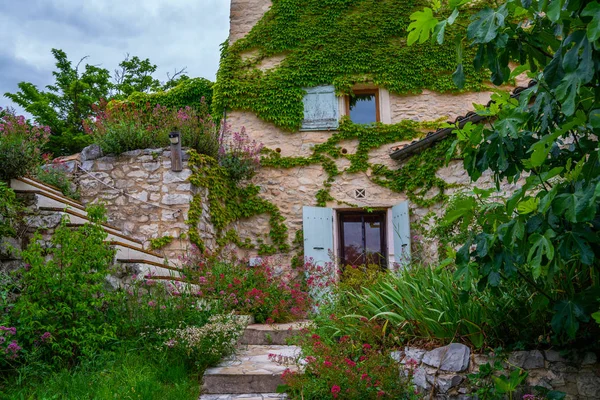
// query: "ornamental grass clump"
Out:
[21,144]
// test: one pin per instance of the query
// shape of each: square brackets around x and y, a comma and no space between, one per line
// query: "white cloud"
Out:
[171,33]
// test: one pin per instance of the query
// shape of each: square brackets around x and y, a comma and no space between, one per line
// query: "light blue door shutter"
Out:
[401,225]
[320,109]
[318,233]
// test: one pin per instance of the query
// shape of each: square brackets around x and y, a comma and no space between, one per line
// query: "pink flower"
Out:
[366,346]
[151,303]
[327,364]
[335,389]
[350,362]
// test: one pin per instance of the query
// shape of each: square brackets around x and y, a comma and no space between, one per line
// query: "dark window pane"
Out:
[373,232]
[363,109]
[353,243]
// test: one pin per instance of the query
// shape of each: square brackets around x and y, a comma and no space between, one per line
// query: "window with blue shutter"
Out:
[321,111]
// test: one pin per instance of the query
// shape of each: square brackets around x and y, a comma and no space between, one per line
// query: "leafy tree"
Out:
[68,101]
[548,232]
[135,75]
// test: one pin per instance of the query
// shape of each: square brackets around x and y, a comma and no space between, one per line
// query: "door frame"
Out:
[339,232]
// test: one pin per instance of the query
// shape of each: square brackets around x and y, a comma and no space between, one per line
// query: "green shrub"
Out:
[56,175]
[259,291]
[9,210]
[20,145]
[347,369]
[61,307]
[122,126]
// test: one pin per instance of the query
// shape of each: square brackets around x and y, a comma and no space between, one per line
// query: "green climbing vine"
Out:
[229,202]
[339,42]
[416,177]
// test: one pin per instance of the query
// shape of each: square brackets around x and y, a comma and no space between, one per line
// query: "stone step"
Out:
[251,370]
[272,334]
[247,396]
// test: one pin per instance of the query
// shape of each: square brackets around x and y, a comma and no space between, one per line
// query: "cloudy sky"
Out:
[171,33]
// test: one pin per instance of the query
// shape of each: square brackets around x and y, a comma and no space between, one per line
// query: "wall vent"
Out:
[360,193]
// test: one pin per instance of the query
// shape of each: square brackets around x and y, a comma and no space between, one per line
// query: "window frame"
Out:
[382,232]
[374,91]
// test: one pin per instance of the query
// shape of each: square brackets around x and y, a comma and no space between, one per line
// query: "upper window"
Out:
[363,106]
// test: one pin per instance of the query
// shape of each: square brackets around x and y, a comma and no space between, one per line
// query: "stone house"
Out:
[355,212]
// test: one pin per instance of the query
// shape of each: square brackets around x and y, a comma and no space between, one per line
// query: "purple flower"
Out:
[11,330]
[46,336]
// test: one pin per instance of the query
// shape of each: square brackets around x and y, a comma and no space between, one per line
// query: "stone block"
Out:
[589,358]
[10,248]
[527,359]
[415,353]
[176,199]
[91,152]
[588,384]
[443,383]
[132,153]
[138,174]
[176,177]
[454,357]
[151,166]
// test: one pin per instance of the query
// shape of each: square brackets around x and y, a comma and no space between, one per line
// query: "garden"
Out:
[514,273]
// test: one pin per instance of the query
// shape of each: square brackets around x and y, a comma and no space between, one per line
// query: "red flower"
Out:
[350,362]
[381,393]
[364,377]
[327,363]
[366,346]
[335,389]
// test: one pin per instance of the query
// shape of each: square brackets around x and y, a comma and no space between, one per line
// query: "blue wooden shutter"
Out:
[320,109]
[401,225]
[318,233]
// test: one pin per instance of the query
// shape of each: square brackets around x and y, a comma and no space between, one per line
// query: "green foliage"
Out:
[131,372]
[348,369]
[160,242]
[339,43]
[20,145]
[66,103]
[425,303]
[55,175]
[69,100]
[491,385]
[416,177]
[123,126]
[354,278]
[229,202]
[547,233]
[65,295]
[9,211]
[188,92]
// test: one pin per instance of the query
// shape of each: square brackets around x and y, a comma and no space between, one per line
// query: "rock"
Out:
[112,283]
[420,378]
[138,174]
[151,166]
[527,359]
[171,177]
[397,355]
[131,153]
[588,384]
[554,356]
[175,199]
[7,267]
[444,382]
[454,357]
[91,152]
[414,353]
[589,358]
[10,248]
[43,221]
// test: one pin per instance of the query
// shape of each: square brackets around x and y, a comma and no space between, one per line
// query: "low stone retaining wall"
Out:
[442,372]
[144,198]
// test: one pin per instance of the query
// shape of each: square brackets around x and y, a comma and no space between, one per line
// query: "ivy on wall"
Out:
[229,202]
[187,93]
[339,42]
[415,178]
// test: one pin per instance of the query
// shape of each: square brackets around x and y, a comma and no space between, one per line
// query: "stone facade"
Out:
[442,372]
[291,189]
[144,198]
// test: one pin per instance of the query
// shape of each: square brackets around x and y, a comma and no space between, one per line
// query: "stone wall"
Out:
[442,372]
[144,198]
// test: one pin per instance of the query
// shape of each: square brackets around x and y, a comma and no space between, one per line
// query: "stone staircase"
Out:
[254,372]
[47,206]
